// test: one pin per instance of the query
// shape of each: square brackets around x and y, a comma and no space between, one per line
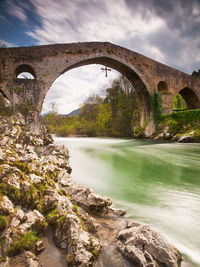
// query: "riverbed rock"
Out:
[88,200]
[187,138]
[143,246]
[165,134]
[112,211]
[89,222]
[81,247]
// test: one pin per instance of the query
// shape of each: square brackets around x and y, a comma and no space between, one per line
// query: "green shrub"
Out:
[11,191]
[30,197]
[138,131]
[26,242]
[75,207]
[183,117]
[3,222]
[22,166]
[52,216]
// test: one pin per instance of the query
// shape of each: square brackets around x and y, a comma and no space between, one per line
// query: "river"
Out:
[157,183]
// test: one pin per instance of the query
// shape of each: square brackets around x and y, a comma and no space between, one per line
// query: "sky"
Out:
[165,30]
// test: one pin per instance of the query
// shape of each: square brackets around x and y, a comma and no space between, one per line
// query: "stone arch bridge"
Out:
[47,62]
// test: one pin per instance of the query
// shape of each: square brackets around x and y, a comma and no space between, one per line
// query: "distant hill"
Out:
[44,114]
[72,113]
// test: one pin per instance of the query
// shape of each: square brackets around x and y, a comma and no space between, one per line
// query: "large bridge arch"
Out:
[50,61]
[120,66]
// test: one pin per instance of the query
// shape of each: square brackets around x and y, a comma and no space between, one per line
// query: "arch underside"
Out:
[130,74]
[190,98]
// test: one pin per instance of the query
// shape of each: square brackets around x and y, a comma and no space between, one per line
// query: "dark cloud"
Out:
[166,30]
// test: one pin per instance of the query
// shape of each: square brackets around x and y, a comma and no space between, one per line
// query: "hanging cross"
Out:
[106,70]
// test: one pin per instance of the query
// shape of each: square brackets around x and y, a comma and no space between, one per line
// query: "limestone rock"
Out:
[6,206]
[165,134]
[79,244]
[90,201]
[2,156]
[41,175]
[11,175]
[142,246]
[56,150]
[35,221]
[187,138]
[35,179]
[112,211]
[90,222]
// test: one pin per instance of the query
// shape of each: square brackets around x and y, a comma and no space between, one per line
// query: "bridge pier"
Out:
[24,96]
[167,106]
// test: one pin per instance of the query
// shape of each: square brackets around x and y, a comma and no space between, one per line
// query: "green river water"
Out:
[156,183]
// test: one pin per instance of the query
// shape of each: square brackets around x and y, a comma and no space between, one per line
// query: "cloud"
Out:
[72,88]
[70,21]
[17,9]
[167,31]
[3,18]
[7,44]
[136,25]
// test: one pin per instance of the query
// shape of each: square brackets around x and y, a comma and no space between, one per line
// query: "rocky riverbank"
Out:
[183,127]
[43,209]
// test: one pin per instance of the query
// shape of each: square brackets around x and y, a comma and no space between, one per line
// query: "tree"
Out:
[114,114]
[103,119]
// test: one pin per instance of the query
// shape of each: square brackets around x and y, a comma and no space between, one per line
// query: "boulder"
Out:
[6,206]
[81,247]
[88,200]
[187,138]
[89,222]
[143,246]
[114,212]
[35,221]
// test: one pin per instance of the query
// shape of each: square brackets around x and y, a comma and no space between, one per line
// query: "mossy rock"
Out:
[30,197]
[52,216]
[22,166]
[2,259]
[11,191]
[70,259]
[3,222]
[26,242]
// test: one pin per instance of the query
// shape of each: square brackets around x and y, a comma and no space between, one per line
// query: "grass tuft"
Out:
[26,242]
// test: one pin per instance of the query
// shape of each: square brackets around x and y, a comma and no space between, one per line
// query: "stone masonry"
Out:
[47,62]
